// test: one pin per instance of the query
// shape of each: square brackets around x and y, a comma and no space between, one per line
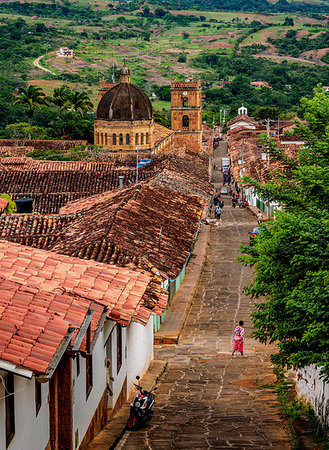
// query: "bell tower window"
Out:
[127,139]
[185,102]
[114,139]
[185,122]
[120,139]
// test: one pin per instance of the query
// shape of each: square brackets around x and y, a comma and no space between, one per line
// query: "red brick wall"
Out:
[191,141]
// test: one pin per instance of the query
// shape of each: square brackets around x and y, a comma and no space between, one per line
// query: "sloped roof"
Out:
[242,118]
[122,290]
[161,133]
[35,322]
[34,230]
[144,225]
[52,184]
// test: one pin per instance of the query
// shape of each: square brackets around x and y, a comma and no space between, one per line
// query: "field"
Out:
[156,61]
[159,46]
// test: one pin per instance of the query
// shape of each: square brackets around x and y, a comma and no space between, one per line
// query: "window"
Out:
[186,122]
[185,102]
[9,408]
[78,364]
[136,139]
[120,139]
[105,138]
[127,139]
[142,138]
[147,138]
[114,139]
[102,139]
[89,374]
[37,396]
[119,347]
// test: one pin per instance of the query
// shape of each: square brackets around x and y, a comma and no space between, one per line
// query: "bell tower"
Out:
[186,114]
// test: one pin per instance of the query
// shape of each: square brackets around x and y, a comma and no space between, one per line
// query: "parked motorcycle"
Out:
[141,407]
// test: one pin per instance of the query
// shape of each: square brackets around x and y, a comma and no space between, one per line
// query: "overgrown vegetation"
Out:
[291,255]
[301,419]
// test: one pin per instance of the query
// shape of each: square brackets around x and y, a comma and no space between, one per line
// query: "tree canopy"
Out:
[291,255]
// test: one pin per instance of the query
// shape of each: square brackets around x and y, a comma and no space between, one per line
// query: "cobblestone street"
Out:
[205,398]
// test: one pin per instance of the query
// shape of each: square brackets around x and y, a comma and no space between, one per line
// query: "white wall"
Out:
[31,431]
[312,389]
[83,408]
[140,351]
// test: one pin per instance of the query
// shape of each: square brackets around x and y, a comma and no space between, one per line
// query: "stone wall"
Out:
[190,141]
[313,390]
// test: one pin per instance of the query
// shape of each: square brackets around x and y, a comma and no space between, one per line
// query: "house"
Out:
[52,184]
[242,120]
[70,344]
[65,52]
[260,84]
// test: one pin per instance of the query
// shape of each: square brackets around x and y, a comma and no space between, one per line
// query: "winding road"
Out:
[36,63]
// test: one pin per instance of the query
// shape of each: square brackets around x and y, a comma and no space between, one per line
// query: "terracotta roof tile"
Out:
[36,311]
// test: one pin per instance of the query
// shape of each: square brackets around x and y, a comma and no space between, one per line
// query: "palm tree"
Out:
[79,102]
[32,97]
[60,98]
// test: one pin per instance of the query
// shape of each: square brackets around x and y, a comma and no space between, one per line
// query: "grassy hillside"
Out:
[161,44]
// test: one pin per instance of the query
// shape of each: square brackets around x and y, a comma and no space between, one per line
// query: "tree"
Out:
[23,131]
[60,98]
[31,97]
[78,102]
[291,255]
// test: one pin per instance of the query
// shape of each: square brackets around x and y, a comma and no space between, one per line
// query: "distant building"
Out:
[65,52]
[260,84]
[124,118]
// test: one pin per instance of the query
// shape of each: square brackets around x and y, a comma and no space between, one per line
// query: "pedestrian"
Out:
[259,218]
[221,203]
[216,200]
[238,339]
[218,212]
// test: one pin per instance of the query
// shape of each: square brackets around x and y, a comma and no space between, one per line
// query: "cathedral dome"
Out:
[124,102]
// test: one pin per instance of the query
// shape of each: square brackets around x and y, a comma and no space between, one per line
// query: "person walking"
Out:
[218,212]
[238,339]
[259,218]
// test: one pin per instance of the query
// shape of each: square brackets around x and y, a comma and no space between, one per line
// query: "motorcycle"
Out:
[141,407]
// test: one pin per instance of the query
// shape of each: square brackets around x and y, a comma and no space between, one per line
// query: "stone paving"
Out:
[206,399]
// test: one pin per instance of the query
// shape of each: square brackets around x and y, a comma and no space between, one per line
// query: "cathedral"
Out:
[124,118]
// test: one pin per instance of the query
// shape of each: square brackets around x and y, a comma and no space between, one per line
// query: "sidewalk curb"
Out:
[174,321]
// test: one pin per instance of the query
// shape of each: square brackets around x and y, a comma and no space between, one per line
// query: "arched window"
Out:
[142,138]
[114,139]
[185,102]
[147,138]
[127,139]
[120,139]
[136,139]
[105,138]
[102,141]
[186,122]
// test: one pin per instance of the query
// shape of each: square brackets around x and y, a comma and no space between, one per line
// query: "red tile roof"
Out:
[34,230]
[161,133]
[144,225]
[52,184]
[242,118]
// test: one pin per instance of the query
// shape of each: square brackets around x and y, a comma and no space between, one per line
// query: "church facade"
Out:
[124,118]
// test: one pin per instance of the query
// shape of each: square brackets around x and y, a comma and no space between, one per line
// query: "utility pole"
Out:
[137,166]
[268,165]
